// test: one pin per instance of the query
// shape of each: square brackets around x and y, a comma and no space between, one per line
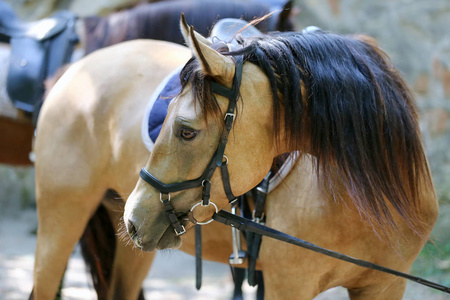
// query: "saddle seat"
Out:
[229,28]
[12,26]
[38,50]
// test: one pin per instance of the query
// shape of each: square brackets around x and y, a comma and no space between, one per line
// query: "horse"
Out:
[96,116]
[361,185]
[91,33]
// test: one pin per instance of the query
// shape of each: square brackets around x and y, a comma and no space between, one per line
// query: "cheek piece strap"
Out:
[219,160]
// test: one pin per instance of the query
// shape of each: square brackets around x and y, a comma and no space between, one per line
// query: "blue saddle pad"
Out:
[159,110]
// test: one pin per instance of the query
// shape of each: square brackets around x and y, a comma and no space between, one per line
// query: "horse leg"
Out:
[131,265]
[62,216]
[394,291]
[238,277]
[281,285]
[285,276]
[260,290]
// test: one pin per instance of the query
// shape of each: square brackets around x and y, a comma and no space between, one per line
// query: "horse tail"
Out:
[98,244]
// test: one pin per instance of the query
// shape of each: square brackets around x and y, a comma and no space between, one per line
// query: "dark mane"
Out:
[160,20]
[355,114]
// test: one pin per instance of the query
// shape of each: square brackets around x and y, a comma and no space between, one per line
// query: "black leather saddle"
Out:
[38,50]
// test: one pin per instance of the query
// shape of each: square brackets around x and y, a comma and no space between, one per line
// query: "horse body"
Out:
[143,21]
[85,145]
[315,216]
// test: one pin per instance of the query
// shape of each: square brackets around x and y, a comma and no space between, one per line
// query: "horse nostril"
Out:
[132,231]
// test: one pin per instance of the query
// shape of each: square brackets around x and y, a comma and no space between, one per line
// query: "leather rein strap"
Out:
[249,226]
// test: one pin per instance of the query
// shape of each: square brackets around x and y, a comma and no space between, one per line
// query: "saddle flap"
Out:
[26,70]
[37,52]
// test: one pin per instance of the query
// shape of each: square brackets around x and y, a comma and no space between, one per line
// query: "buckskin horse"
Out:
[34,51]
[361,184]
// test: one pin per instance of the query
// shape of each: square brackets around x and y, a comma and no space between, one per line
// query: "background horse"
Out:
[98,119]
[364,188]
[140,22]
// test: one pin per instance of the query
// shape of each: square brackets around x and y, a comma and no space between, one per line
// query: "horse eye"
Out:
[188,134]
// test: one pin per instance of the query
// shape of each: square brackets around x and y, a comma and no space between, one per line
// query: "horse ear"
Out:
[213,63]
[185,32]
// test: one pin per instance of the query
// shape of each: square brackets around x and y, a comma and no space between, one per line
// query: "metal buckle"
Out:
[231,115]
[161,199]
[255,219]
[261,190]
[183,231]
[201,203]
[233,201]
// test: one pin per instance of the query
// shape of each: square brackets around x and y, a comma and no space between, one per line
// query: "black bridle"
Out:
[236,221]
[217,161]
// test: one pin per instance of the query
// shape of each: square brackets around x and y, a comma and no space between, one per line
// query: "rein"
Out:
[217,161]
[247,225]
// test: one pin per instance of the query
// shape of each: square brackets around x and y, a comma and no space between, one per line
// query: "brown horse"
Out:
[140,22]
[362,185]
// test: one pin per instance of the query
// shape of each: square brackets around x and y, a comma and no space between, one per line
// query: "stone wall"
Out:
[34,10]
[416,35]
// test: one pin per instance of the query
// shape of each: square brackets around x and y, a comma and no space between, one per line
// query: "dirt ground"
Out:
[171,277]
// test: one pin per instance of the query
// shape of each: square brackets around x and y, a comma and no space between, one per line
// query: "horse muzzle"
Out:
[149,238]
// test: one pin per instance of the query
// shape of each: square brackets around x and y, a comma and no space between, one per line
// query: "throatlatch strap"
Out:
[226,182]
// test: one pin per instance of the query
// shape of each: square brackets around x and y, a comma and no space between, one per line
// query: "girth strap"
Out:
[254,239]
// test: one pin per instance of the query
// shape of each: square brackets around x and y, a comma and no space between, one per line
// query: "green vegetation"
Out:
[433,262]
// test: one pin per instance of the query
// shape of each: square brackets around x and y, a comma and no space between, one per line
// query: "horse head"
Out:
[335,97]
[195,140]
